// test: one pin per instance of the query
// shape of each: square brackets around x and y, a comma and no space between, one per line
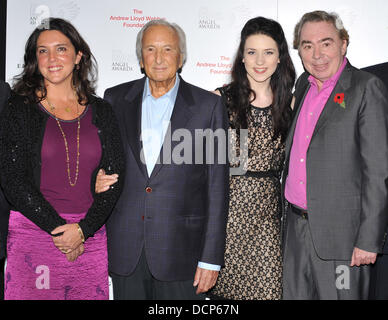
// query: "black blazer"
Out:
[4,205]
[179,213]
[381,71]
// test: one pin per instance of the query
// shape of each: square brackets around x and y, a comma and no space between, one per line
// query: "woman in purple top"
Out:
[55,135]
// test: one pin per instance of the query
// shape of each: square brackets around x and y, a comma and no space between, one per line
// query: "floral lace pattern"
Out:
[253,266]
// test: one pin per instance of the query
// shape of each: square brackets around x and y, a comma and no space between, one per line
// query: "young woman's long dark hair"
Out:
[239,93]
[30,81]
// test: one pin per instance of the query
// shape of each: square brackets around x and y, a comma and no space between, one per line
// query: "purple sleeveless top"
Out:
[54,184]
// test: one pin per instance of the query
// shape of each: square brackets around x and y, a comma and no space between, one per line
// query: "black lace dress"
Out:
[253,266]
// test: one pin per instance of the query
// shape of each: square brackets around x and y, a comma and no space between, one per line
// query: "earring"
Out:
[77,67]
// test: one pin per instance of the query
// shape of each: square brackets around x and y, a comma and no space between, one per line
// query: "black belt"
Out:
[263,174]
[300,212]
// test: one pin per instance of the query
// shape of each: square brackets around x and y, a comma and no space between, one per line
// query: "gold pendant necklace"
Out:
[66,145]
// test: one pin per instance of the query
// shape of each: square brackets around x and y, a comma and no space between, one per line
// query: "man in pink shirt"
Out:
[336,172]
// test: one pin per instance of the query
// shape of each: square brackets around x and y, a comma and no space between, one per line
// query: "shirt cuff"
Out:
[208,266]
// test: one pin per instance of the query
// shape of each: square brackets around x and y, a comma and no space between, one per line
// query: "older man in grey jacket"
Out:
[336,174]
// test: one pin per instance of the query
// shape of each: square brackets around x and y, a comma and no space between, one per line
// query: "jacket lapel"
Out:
[328,111]
[132,120]
[300,95]
[181,114]
[299,99]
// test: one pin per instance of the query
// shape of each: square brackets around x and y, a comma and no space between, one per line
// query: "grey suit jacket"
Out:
[178,214]
[4,206]
[347,166]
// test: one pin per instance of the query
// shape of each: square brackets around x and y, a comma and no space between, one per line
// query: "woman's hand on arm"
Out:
[104,181]
[73,255]
[70,239]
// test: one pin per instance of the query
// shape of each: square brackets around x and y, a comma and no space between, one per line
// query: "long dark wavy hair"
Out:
[30,81]
[239,94]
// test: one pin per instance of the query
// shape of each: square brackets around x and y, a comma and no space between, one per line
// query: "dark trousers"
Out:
[2,261]
[141,285]
[379,279]
[308,277]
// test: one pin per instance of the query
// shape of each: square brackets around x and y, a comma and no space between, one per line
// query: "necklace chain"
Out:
[52,107]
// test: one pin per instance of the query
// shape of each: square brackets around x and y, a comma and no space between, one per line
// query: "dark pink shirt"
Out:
[55,185]
[315,101]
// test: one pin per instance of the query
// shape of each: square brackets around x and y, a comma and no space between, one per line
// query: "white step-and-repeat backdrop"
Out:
[212,29]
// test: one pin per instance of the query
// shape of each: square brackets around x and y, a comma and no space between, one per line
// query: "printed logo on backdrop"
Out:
[222,65]
[209,19]
[239,16]
[123,61]
[68,10]
[20,65]
[135,18]
[212,19]
[348,15]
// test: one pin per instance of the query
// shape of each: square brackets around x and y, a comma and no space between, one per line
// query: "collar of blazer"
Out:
[302,87]
[182,112]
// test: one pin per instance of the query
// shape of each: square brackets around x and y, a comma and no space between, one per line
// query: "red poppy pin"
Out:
[340,99]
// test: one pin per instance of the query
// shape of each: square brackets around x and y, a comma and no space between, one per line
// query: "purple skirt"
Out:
[37,270]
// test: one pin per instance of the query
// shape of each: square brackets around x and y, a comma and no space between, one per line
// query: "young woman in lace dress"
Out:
[258,101]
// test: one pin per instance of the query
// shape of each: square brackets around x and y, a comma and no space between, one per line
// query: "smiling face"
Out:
[161,57]
[321,50]
[56,57]
[261,58]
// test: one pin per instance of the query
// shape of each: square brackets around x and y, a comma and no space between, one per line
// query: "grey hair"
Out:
[180,33]
[318,16]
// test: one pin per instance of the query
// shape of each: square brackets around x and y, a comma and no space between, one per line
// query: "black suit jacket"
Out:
[4,206]
[381,71]
[179,213]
